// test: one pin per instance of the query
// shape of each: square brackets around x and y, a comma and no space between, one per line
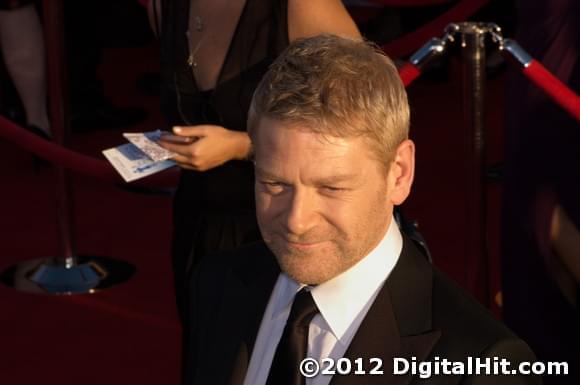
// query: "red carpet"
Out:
[129,334]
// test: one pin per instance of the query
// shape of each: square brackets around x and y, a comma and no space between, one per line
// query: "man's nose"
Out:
[301,212]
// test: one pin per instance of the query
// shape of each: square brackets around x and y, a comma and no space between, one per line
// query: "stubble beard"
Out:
[312,267]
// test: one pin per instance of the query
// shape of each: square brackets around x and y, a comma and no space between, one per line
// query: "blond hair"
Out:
[338,87]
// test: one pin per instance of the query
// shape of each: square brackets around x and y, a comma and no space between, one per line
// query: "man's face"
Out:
[322,203]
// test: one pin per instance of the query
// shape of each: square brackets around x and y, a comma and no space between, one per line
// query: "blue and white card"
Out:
[133,164]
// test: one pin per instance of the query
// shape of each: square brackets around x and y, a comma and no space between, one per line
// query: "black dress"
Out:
[215,210]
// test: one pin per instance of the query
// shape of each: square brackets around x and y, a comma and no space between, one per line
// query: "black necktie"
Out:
[294,342]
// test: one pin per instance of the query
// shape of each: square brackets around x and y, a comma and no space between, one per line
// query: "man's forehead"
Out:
[282,135]
[318,174]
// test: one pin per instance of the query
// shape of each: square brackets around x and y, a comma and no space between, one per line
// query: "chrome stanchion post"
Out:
[66,273]
[472,37]
[54,36]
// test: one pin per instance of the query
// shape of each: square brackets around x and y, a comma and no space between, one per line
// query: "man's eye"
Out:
[333,189]
[273,187]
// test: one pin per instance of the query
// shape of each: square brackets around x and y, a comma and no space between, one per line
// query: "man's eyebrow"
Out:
[264,174]
[336,179]
[330,180]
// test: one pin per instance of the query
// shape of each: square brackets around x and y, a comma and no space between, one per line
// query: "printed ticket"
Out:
[132,163]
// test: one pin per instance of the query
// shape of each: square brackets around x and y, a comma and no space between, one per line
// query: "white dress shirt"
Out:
[343,303]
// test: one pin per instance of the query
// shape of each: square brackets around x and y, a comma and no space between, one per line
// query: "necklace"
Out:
[191,57]
[198,26]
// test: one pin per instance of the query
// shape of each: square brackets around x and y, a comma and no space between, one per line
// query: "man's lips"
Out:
[304,245]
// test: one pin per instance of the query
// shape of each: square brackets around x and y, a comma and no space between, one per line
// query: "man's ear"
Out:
[402,172]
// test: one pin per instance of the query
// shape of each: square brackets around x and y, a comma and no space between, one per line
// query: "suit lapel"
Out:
[398,324]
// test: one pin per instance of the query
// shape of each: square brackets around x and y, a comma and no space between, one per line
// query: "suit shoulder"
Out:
[467,327]
[219,272]
[244,262]
[224,261]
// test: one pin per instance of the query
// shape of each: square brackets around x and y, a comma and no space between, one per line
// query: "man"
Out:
[335,278]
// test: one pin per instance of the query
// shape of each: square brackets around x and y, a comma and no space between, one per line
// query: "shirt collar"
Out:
[341,299]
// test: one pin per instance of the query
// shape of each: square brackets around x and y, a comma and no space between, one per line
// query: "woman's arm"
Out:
[212,146]
[314,17]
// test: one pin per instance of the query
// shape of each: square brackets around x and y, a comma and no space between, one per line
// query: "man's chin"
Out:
[303,256]
[311,278]
[302,268]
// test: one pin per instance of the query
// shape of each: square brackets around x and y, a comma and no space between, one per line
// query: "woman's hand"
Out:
[212,146]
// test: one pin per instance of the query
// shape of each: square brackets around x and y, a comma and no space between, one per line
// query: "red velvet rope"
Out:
[408,72]
[73,160]
[55,153]
[553,87]
[412,41]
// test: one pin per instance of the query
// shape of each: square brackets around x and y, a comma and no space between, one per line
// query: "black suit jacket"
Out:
[417,313]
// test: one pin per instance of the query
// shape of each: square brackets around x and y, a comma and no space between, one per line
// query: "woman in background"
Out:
[214,53]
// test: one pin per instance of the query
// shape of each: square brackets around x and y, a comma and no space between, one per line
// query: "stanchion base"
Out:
[88,274]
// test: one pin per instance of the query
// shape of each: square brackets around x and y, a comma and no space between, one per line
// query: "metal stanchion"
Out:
[67,273]
[472,38]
